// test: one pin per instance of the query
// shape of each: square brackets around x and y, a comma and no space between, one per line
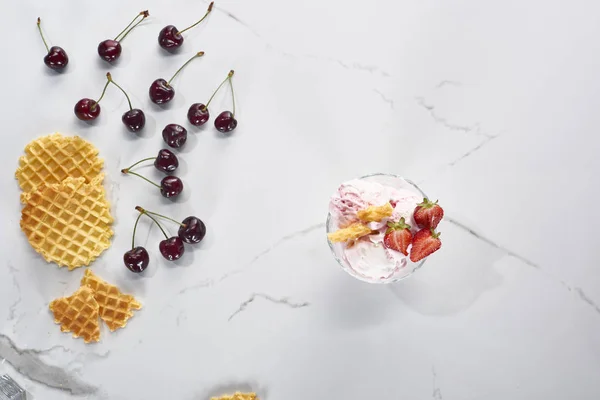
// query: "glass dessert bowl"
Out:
[363,209]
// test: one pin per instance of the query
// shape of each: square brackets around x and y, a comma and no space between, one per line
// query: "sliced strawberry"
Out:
[428,214]
[424,243]
[398,236]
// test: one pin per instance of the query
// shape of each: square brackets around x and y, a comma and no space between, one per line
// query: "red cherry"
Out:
[170,37]
[110,50]
[198,114]
[161,91]
[56,58]
[87,109]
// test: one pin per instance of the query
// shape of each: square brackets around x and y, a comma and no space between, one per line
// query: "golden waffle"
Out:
[68,223]
[78,313]
[115,307]
[375,213]
[50,159]
[352,232]
[237,396]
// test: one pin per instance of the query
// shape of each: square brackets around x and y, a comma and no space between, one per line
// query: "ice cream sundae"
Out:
[382,227]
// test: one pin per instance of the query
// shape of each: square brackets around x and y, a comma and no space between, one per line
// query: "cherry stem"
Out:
[134,229]
[144,14]
[39,21]
[232,95]
[101,96]
[202,19]
[142,211]
[199,54]
[139,162]
[165,217]
[109,77]
[127,171]
[218,88]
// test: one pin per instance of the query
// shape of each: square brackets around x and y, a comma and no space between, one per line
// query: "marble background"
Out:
[492,107]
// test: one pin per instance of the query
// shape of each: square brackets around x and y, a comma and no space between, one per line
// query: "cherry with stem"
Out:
[192,230]
[56,57]
[198,113]
[225,121]
[172,247]
[110,50]
[136,259]
[89,109]
[170,37]
[161,90]
[134,119]
[165,161]
[170,186]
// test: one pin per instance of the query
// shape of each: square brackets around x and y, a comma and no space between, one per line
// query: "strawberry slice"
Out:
[398,236]
[425,242]
[428,214]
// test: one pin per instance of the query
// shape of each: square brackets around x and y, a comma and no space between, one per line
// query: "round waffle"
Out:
[69,222]
[53,158]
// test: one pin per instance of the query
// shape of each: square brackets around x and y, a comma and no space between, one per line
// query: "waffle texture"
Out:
[78,313]
[237,396]
[68,223]
[53,158]
[115,307]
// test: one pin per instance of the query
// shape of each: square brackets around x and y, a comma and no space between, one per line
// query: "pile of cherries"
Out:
[191,230]
[161,91]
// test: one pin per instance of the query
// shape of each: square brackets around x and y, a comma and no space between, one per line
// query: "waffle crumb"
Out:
[237,396]
[375,213]
[352,232]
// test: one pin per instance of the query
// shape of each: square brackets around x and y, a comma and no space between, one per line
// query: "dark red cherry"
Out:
[169,38]
[198,114]
[166,161]
[172,248]
[134,119]
[109,50]
[174,135]
[171,186]
[136,259]
[225,122]
[161,92]
[56,58]
[192,230]
[87,109]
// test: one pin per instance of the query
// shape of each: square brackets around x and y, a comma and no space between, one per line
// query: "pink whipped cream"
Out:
[367,256]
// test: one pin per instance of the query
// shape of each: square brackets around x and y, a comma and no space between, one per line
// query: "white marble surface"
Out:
[492,107]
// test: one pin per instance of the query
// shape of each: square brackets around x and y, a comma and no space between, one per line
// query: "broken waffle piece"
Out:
[115,308]
[375,213]
[353,232]
[68,223]
[237,396]
[78,314]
